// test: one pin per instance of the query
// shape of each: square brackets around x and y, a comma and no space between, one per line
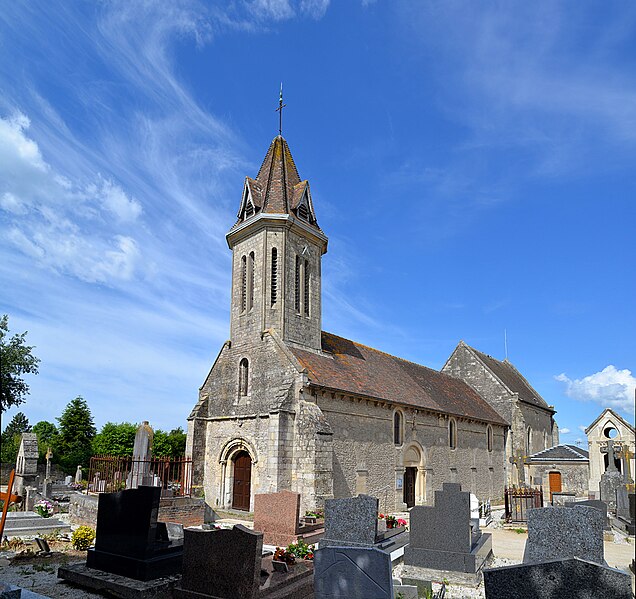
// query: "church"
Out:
[287,405]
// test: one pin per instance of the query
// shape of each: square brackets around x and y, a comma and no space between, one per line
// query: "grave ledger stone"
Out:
[129,540]
[562,533]
[352,573]
[572,578]
[443,537]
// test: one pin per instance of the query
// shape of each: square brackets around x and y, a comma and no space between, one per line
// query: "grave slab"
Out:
[406,590]
[352,573]
[596,503]
[562,533]
[557,579]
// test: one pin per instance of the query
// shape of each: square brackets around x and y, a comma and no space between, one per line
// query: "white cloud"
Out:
[281,10]
[564,431]
[582,427]
[60,222]
[610,388]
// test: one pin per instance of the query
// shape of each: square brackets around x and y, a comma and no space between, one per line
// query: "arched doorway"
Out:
[414,489]
[242,480]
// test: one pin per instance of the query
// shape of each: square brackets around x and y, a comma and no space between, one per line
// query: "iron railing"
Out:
[519,500]
[108,474]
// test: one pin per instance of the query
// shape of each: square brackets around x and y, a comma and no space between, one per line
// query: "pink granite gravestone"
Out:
[277,516]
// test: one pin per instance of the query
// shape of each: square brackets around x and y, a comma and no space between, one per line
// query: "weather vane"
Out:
[279,110]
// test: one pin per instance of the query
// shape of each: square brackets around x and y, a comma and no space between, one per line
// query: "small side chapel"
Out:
[287,405]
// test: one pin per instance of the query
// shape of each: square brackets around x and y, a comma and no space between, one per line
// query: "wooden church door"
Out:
[554,479]
[242,481]
[410,475]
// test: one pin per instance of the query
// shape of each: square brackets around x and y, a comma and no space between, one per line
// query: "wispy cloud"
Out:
[610,388]
[564,431]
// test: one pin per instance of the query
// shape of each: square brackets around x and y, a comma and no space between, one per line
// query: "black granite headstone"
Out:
[224,564]
[129,541]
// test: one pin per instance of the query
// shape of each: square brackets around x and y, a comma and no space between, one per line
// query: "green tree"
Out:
[170,444]
[76,432]
[115,439]
[16,360]
[11,437]
[47,433]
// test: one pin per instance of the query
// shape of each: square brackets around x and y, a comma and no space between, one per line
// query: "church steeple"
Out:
[277,246]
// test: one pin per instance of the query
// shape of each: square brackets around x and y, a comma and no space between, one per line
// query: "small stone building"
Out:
[532,424]
[289,406]
[610,426]
[559,469]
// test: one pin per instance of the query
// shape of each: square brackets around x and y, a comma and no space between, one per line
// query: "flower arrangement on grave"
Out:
[82,538]
[283,555]
[401,522]
[301,550]
[318,514]
[44,508]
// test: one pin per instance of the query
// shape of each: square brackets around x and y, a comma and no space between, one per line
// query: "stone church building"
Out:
[288,406]
[532,424]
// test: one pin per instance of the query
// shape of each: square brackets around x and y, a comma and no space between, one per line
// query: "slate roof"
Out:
[513,379]
[561,453]
[356,369]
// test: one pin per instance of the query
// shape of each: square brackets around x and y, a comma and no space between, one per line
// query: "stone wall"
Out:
[189,511]
[574,478]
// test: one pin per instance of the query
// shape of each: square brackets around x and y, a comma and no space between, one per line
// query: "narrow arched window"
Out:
[452,433]
[306,277]
[529,441]
[243,283]
[297,287]
[397,428]
[250,282]
[274,276]
[489,437]
[244,376]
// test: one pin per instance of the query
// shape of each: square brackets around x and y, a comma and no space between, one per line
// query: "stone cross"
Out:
[49,455]
[609,450]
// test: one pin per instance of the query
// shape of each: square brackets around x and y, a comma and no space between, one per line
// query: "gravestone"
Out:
[611,479]
[223,564]
[595,503]
[26,467]
[443,537]
[142,456]
[351,522]
[352,573]
[563,533]
[68,480]
[129,540]
[276,515]
[572,578]
[407,591]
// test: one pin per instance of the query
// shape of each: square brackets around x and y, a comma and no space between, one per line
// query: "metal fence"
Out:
[521,499]
[108,474]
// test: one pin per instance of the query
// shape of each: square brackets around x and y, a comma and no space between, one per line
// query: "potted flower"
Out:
[391,521]
[283,559]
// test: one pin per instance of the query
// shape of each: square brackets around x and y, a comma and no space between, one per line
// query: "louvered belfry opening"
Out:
[243,283]
[297,287]
[274,277]
[306,281]
[251,282]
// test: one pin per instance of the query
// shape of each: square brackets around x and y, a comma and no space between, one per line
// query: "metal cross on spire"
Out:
[279,110]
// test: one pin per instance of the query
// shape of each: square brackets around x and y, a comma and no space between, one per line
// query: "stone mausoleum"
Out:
[287,405]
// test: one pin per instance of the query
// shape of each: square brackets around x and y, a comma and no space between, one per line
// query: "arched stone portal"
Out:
[414,488]
[236,484]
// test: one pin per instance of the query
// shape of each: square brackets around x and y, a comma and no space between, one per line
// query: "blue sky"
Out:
[471,163]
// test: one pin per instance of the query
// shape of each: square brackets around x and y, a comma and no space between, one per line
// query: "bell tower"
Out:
[277,249]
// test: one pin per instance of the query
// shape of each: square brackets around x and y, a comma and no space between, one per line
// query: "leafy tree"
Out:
[170,444]
[76,432]
[47,434]
[115,439]
[16,360]
[11,437]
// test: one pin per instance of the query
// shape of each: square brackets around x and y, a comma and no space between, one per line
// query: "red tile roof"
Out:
[356,369]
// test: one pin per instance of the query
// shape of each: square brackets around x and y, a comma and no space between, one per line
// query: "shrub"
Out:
[83,538]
